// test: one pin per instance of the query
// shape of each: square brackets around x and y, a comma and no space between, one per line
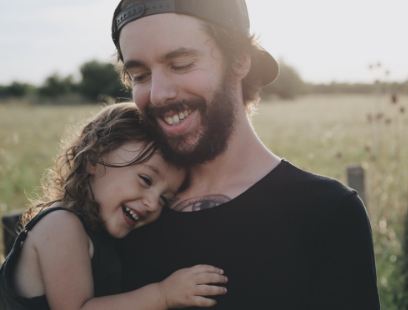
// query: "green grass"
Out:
[324,134]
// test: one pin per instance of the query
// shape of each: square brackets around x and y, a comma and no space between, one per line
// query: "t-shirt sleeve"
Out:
[345,276]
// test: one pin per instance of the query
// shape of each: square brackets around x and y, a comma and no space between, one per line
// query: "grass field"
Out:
[324,134]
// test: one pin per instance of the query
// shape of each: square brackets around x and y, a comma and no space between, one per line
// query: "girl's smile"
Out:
[132,196]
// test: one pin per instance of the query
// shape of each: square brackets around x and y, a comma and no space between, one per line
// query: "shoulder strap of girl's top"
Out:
[43,213]
[8,296]
[22,236]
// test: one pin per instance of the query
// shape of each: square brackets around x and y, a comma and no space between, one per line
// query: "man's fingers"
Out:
[210,290]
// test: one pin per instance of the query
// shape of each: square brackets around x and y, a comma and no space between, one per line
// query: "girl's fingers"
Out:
[200,301]
[207,268]
[210,290]
[210,278]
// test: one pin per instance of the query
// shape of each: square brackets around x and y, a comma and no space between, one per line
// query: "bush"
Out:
[56,86]
[16,90]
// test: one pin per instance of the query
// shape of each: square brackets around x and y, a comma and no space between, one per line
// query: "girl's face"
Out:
[133,196]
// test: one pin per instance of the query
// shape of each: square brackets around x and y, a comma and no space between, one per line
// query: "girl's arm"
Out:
[185,287]
[62,246]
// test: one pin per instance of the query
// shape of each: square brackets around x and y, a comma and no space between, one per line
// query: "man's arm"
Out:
[346,276]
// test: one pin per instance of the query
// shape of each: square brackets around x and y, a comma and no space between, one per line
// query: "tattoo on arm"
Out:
[200,203]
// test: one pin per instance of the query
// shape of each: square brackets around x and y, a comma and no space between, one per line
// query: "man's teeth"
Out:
[176,118]
[131,214]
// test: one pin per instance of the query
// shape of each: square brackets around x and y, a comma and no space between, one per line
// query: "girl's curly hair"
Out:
[68,181]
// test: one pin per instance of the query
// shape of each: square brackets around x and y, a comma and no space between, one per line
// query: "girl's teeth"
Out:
[132,214]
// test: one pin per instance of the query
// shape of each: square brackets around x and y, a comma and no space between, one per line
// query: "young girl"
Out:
[111,180]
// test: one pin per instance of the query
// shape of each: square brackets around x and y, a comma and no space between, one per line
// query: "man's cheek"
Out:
[140,100]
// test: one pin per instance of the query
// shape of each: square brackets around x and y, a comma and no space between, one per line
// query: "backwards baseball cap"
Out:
[230,14]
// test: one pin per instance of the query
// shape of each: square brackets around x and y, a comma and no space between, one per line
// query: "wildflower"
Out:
[339,155]
[367,148]
[394,98]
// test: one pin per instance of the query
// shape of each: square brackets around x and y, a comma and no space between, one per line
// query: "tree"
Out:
[99,80]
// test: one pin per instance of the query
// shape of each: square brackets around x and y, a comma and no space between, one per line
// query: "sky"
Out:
[324,40]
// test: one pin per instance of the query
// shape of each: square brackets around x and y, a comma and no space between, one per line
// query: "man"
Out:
[287,239]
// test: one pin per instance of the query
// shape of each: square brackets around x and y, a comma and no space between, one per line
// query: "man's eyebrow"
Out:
[182,51]
[131,64]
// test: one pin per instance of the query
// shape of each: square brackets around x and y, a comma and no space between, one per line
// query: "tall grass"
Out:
[324,134]
[29,140]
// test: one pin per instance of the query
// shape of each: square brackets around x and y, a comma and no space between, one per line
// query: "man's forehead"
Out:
[164,33]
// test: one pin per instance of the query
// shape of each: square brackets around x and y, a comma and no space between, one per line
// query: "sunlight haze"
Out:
[324,40]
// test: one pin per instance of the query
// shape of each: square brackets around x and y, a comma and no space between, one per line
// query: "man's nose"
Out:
[162,88]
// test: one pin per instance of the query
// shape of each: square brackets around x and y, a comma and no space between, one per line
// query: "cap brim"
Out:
[268,67]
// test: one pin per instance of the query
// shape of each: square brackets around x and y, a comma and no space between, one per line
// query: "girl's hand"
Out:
[188,287]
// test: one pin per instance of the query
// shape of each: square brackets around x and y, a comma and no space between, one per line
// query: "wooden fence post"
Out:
[356,180]
[10,222]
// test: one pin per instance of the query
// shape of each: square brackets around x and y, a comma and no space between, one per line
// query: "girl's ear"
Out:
[242,65]
[91,168]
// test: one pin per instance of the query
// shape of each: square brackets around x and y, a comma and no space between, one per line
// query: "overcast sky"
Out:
[325,40]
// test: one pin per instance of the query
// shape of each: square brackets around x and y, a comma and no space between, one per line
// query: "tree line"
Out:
[99,81]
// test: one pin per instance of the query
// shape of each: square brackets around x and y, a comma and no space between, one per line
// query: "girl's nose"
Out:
[152,202]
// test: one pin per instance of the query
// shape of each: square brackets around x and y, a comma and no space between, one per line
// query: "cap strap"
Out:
[143,8]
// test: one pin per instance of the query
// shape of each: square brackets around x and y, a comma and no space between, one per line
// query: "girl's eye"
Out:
[146,180]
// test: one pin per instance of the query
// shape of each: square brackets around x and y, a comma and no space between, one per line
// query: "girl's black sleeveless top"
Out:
[106,268]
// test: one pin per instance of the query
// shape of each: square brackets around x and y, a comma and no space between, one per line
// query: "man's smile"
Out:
[174,118]
[177,118]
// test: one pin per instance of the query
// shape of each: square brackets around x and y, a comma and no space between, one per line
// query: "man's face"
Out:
[180,83]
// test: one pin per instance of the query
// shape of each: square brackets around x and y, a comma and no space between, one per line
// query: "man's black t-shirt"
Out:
[294,240]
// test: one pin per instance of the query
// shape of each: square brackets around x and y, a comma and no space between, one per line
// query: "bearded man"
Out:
[286,238]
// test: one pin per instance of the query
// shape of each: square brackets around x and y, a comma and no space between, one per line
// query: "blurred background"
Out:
[338,108]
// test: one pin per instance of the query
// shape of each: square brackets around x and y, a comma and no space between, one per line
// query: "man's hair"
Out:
[68,181]
[233,46]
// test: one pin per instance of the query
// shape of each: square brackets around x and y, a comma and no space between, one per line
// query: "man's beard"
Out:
[217,121]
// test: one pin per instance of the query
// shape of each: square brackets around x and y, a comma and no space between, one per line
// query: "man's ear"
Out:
[242,65]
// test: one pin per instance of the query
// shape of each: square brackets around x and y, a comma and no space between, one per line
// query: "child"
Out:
[111,180]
